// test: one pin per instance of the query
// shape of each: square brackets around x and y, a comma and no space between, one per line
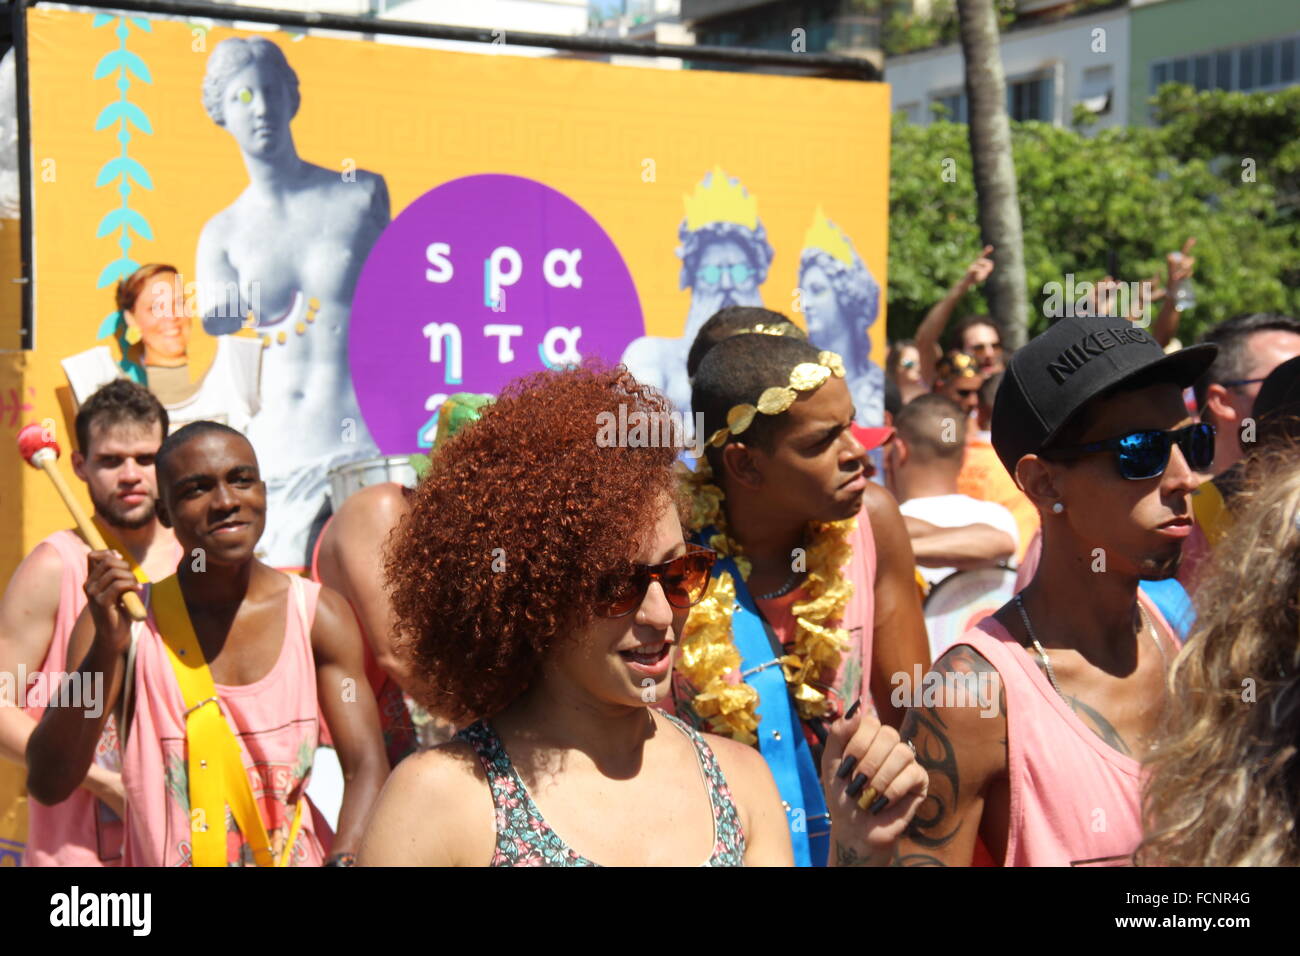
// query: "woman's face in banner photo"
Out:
[159,314]
[820,306]
[257,110]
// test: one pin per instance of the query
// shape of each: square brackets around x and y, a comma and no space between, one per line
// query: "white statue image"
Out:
[284,259]
[841,301]
[725,259]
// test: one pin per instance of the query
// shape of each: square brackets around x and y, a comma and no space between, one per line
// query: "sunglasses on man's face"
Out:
[684,579]
[1145,454]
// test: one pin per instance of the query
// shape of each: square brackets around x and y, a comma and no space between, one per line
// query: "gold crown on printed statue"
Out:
[826,236]
[804,377]
[722,200]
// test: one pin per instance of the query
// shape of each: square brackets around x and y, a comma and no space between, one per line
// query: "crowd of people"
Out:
[555,651]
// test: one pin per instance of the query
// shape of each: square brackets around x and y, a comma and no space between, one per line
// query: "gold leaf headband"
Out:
[804,377]
[762,329]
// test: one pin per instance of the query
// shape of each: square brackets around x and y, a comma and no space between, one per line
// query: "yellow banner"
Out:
[360,229]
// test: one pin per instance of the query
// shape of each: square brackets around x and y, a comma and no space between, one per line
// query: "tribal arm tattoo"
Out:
[936,824]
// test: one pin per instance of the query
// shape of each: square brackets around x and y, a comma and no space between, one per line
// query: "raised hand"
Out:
[1181,264]
[108,579]
[980,269]
[873,786]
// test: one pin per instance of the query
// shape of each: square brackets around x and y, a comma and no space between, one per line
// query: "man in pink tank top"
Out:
[279,651]
[119,429]
[1034,726]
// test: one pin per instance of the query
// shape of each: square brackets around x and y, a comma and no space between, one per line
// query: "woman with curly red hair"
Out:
[540,586]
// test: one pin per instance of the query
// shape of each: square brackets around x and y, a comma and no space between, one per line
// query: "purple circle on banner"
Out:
[464,291]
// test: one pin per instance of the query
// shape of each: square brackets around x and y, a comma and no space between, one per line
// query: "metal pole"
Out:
[846,67]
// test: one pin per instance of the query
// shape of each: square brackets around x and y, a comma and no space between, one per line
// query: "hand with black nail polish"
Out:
[888,781]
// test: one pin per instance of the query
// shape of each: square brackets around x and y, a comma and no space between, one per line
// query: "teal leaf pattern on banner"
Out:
[124,112]
[126,168]
[123,67]
[119,59]
[124,218]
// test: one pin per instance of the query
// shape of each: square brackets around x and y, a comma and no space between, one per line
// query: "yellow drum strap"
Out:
[217,778]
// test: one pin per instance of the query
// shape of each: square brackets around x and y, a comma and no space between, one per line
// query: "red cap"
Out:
[872,438]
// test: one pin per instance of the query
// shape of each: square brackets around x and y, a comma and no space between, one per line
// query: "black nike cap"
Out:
[1077,360]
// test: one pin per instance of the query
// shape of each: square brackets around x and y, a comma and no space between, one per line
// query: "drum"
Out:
[350,478]
[963,599]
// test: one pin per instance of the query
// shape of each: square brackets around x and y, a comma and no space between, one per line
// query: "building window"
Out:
[1097,89]
[954,103]
[1257,66]
[1030,99]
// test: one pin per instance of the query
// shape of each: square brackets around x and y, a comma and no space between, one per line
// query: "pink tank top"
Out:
[853,679]
[1074,799]
[82,830]
[275,721]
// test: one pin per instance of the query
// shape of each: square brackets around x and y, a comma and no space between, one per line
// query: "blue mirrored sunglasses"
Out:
[1145,454]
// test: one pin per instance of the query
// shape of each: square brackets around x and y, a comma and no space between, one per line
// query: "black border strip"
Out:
[27,332]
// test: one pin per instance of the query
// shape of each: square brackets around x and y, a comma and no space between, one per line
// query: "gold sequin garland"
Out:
[709,659]
[281,337]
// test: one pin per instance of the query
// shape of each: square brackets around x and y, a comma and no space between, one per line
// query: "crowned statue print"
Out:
[840,301]
[283,259]
[725,259]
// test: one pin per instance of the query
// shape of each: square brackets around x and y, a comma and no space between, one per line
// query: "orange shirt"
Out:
[982,476]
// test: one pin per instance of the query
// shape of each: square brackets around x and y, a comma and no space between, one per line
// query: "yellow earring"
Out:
[133,334]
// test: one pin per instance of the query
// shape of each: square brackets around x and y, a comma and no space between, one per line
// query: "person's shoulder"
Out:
[743,757]
[451,764]
[433,810]
[877,502]
[741,765]
[380,505]
[40,574]
[967,688]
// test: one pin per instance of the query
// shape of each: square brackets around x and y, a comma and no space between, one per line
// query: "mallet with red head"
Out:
[40,450]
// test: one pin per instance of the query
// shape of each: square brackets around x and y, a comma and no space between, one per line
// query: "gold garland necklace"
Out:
[709,658]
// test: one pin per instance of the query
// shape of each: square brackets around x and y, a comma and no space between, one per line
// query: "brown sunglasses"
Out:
[685,581]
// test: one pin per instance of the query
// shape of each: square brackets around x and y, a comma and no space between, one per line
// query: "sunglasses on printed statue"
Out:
[1145,454]
[684,579]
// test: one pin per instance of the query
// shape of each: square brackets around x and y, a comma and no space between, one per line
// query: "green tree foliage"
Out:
[1140,191]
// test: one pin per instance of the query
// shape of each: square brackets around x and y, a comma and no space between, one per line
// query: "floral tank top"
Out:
[525,839]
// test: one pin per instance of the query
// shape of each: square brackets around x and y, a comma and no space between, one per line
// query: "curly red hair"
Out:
[519,522]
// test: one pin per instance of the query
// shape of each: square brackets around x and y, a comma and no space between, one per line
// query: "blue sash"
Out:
[1172,600]
[781,739]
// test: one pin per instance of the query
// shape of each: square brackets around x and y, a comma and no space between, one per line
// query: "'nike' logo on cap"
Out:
[1080,353]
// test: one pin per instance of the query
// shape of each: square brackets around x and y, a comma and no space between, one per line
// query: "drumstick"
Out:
[42,452]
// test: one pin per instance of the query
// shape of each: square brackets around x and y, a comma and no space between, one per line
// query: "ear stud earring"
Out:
[1058,508]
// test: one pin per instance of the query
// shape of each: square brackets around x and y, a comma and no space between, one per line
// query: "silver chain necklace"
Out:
[784,589]
[1047,664]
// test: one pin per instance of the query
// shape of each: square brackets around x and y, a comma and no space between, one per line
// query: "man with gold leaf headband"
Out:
[814,606]
[725,258]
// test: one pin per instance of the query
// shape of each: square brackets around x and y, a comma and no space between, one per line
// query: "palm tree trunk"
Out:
[995,171]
